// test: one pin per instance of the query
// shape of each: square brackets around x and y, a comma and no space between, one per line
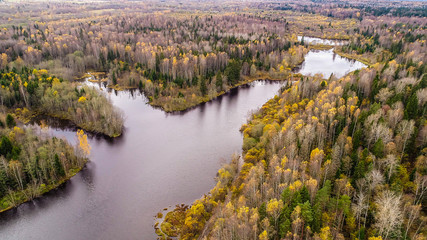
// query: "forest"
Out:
[33,163]
[326,158]
[330,158]
[31,92]
[178,60]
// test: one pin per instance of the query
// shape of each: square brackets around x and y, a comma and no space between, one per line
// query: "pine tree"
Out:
[411,109]
[114,78]
[218,82]
[378,149]
[203,88]
[59,169]
[6,146]
[10,121]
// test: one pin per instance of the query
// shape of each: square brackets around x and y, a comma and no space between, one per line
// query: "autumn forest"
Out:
[336,151]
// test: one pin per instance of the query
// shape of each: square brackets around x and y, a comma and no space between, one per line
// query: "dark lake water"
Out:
[160,161]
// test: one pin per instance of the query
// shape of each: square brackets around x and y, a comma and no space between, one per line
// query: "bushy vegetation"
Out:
[32,91]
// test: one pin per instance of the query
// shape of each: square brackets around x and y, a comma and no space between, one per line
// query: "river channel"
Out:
[161,160]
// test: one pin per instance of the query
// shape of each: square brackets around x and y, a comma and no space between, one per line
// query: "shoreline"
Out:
[35,113]
[354,57]
[47,189]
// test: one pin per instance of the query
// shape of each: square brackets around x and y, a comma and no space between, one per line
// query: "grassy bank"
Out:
[321,46]
[354,57]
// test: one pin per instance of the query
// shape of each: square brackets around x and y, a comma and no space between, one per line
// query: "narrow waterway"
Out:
[161,160]
[326,62]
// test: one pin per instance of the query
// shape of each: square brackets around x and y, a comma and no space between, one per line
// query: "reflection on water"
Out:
[326,62]
[314,40]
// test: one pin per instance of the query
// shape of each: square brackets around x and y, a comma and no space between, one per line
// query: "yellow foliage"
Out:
[82,99]
[224,174]
[18,130]
[83,143]
[375,238]
[274,206]
[295,186]
[4,59]
[325,233]
[55,81]
[42,72]
[263,236]
[316,153]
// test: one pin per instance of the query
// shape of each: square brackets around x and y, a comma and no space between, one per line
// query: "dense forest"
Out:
[330,158]
[33,163]
[34,91]
[178,60]
[326,158]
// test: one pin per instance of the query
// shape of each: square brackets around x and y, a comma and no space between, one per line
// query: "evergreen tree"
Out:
[203,88]
[59,169]
[233,72]
[114,78]
[218,82]
[378,149]
[411,109]
[6,146]
[10,121]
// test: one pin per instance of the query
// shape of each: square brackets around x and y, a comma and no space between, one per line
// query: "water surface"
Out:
[326,62]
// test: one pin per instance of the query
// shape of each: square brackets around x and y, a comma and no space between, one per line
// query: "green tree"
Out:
[320,202]
[203,88]
[262,210]
[113,77]
[59,169]
[411,109]
[306,212]
[305,196]
[10,121]
[378,149]
[233,72]
[218,82]
[6,146]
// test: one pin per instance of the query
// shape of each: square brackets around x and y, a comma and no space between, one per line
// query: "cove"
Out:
[161,160]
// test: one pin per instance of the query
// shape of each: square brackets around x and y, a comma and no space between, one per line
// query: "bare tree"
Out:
[406,128]
[388,215]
